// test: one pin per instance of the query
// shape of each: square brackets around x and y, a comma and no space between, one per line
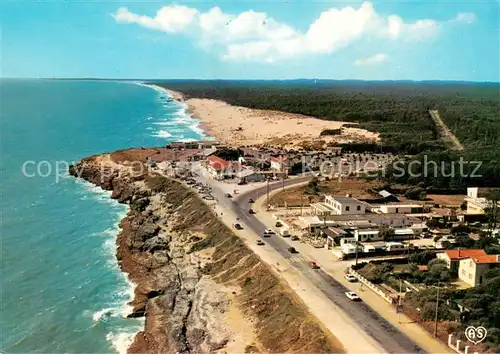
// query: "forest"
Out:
[396,109]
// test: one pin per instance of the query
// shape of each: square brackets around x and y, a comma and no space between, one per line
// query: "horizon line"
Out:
[89,78]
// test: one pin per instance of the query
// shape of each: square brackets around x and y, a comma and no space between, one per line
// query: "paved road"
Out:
[388,337]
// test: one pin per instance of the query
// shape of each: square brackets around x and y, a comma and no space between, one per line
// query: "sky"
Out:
[279,39]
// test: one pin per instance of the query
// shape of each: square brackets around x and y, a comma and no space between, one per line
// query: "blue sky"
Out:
[424,40]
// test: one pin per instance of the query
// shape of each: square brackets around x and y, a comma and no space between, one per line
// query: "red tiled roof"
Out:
[278,159]
[217,163]
[442,212]
[460,254]
[491,258]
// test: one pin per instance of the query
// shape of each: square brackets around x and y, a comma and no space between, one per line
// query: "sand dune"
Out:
[245,126]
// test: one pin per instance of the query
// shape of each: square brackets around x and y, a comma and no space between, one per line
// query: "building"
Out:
[367,235]
[220,168]
[347,205]
[313,224]
[279,163]
[476,204]
[453,257]
[249,175]
[471,270]
[399,208]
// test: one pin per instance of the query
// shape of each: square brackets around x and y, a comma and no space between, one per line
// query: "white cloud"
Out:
[419,30]
[375,59]
[465,17]
[168,19]
[255,36]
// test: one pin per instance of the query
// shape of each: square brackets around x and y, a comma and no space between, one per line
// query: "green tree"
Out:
[493,211]
[387,233]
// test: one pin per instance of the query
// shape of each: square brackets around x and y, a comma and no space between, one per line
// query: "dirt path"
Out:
[445,132]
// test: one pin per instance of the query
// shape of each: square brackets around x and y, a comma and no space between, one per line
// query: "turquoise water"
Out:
[61,289]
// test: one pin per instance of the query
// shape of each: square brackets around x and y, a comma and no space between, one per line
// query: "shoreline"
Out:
[237,125]
[201,127]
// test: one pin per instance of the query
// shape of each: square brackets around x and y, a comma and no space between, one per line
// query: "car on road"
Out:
[251,201]
[292,250]
[260,243]
[238,227]
[350,278]
[313,265]
[251,211]
[351,295]
[229,195]
[268,233]
[295,238]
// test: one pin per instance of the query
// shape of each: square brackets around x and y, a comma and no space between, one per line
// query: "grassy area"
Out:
[295,196]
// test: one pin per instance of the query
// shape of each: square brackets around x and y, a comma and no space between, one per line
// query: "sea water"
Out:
[61,289]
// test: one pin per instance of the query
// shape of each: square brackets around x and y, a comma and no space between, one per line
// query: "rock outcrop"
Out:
[191,272]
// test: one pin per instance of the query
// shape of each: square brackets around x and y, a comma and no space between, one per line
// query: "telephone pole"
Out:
[267,207]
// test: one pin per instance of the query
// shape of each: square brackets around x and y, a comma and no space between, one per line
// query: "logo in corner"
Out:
[475,334]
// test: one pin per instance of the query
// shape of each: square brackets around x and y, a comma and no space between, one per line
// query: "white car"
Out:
[351,278]
[352,296]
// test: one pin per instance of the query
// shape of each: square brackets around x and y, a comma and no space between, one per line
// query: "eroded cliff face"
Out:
[199,287]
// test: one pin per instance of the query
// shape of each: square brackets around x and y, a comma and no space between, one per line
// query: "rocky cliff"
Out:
[199,287]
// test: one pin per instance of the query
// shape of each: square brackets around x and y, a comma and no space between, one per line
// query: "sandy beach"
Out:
[244,126]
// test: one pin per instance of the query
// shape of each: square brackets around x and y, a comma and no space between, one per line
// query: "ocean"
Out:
[61,288]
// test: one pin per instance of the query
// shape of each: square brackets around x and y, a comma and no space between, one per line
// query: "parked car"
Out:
[350,278]
[351,295]
[295,238]
[208,197]
[251,201]
[278,224]
[260,242]
[251,211]
[292,250]
[238,227]
[313,265]
[229,195]
[285,233]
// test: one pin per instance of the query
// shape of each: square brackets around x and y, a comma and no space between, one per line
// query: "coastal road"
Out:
[388,336]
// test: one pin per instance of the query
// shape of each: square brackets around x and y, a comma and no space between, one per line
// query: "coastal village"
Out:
[396,243]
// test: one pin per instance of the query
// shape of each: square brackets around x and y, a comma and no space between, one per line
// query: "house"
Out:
[453,257]
[345,205]
[220,168]
[476,204]
[367,235]
[279,163]
[400,208]
[313,224]
[471,270]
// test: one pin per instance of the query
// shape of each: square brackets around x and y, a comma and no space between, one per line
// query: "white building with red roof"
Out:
[220,168]
[279,163]
[471,270]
